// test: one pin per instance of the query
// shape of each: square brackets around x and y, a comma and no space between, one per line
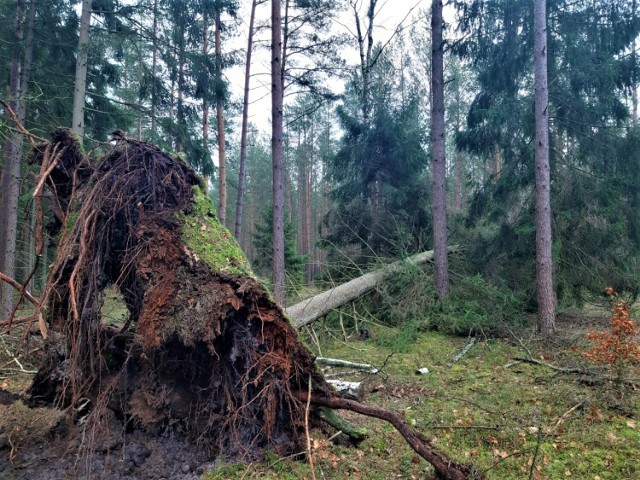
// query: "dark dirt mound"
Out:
[205,364]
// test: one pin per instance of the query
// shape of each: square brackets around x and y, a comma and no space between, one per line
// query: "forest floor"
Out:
[512,419]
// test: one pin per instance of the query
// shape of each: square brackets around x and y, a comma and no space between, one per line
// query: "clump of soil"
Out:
[206,364]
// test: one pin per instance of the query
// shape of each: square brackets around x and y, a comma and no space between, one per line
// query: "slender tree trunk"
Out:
[306,226]
[180,114]
[222,168]
[11,170]
[544,262]
[634,78]
[80,85]
[154,66]
[458,174]
[497,161]
[245,125]
[438,163]
[277,101]
[205,103]
[300,191]
[634,98]
[22,116]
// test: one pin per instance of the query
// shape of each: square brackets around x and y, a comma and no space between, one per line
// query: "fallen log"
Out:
[336,362]
[311,309]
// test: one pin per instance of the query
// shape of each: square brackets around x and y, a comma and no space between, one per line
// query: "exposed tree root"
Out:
[446,468]
[205,353]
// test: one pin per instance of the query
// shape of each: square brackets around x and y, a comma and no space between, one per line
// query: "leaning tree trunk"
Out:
[311,309]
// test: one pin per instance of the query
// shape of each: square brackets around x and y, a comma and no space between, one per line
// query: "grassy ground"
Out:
[501,415]
[512,420]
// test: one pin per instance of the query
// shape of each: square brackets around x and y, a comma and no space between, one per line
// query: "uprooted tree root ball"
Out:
[204,350]
[204,357]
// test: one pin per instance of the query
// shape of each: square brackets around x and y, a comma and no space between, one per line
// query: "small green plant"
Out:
[618,347]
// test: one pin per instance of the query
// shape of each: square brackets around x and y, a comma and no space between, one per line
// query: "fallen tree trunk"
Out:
[311,309]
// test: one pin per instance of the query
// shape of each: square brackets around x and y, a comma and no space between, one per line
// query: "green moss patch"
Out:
[210,241]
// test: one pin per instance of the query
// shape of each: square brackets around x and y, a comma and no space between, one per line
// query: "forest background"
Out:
[357,180]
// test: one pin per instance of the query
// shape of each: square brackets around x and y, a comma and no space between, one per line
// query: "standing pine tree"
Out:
[438,160]
[544,261]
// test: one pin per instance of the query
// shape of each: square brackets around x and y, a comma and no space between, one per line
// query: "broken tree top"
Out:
[204,349]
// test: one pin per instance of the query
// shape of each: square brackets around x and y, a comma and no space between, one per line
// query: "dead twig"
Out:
[566,414]
[306,431]
[463,352]
[32,138]
[535,454]
[551,366]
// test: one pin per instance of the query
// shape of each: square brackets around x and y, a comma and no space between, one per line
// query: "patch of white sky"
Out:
[390,17]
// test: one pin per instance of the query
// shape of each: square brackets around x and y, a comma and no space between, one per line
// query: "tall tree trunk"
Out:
[277,100]
[306,227]
[11,170]
[80,85]
[180,113]
[634,75]
[245,126]
[458,174]
[459,159]
[438,163]
[154,65]
[544,261]
[22,116]
[205,102]
[222,168]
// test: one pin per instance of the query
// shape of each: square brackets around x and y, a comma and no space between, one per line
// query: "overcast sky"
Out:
[390,14]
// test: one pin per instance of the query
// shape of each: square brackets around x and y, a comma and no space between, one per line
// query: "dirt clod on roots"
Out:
[204,355]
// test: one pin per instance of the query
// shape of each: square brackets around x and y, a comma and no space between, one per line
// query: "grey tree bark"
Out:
[222,152]
[277,100]
[438,162]
[544,261]
[245,126]
[11,171]
[80,84]
[154,64]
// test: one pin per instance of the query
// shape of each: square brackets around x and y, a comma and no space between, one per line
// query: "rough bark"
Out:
[222,150]
[11,170]
[154,67]
[80,84]
[245,127]
[438,163]
[544,262]
[316,307]
[277,99]
[205,102]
